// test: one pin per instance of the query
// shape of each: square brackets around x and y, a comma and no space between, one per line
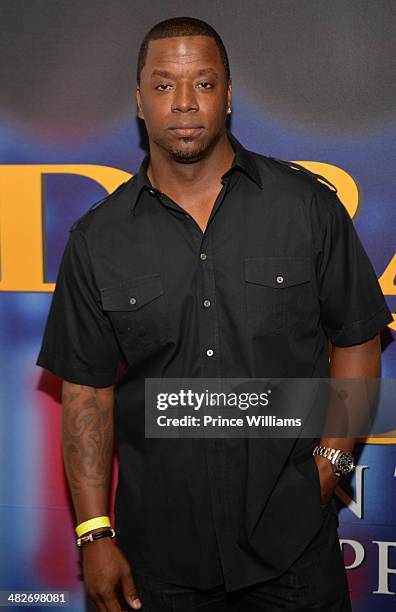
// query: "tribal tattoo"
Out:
[87,436]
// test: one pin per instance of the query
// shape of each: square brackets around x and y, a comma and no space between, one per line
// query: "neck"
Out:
[167,175]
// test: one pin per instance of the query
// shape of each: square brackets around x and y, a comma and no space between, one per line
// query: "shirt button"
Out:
[209,352]
[203,256]
[152,191]
[206,303]
[132,300]
[279,279]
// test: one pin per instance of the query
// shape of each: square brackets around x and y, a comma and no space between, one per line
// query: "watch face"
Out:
[344,463]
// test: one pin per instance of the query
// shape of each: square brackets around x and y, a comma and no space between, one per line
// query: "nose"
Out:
[184,98]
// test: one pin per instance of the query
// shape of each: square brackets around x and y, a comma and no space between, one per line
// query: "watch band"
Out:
[329,453]
[106,533]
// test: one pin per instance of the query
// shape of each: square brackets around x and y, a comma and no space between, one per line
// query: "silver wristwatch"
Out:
[342,460]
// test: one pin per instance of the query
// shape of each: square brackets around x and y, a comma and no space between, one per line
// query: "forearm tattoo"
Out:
[87,437]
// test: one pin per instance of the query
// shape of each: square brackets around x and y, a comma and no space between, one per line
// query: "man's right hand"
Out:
[105,570]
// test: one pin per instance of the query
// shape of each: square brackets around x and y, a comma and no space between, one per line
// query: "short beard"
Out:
[189,157]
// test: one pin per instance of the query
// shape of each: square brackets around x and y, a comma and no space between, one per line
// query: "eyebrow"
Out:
[169,75]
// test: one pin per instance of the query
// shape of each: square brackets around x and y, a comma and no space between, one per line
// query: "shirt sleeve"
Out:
[79,344]
[353,307]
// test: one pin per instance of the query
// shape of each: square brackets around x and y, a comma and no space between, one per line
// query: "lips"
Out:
[186,131]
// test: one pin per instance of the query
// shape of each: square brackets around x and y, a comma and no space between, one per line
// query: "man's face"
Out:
[183,96]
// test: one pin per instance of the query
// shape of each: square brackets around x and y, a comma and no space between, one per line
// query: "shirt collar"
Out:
[243,160]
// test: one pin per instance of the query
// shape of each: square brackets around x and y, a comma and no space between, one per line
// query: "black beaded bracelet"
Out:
[106,533]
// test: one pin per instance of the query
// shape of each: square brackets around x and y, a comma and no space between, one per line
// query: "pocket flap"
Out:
[132,294]
[277,272]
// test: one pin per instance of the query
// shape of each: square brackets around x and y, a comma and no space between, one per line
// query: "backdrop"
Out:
[313,81]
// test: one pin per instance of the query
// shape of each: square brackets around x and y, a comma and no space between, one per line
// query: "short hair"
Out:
[181,26]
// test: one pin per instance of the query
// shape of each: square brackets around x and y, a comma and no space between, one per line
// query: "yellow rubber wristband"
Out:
[99,521]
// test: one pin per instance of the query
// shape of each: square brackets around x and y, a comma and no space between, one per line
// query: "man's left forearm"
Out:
[357,361]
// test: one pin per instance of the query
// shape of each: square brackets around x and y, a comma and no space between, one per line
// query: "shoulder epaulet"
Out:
[295,166]
[95,205]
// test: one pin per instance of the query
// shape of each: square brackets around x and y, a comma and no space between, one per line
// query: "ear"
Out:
[139,103]
[229,94]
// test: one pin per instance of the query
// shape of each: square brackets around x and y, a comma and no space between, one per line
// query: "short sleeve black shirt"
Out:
[278,270]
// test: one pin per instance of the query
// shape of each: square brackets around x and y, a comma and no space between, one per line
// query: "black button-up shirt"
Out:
[278,270]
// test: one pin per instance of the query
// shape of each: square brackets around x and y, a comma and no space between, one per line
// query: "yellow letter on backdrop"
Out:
[21,219]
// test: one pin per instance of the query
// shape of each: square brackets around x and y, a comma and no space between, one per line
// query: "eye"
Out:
[162,85]
[205,83]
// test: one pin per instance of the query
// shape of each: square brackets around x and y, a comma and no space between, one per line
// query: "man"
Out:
[212,261]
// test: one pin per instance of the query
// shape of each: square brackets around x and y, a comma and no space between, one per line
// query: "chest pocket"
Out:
[137,309]
[277,291]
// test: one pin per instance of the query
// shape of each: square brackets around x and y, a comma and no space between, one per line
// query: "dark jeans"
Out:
[316,581]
